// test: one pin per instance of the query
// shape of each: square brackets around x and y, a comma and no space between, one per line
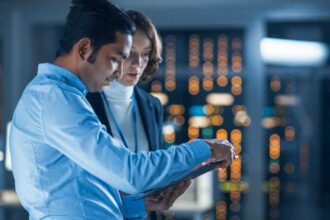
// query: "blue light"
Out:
[197,110]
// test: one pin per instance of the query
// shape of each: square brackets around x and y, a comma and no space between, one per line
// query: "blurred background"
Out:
[253,71]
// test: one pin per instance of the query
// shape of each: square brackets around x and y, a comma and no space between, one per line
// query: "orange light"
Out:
[237,149]
[236,90]
[208,68]
[176,109]
[222,41]
[289,133]
[208,49]
[238,108]
[275,84]
[236,59]
[274,182]
[156,86]
[170,138]
[216,120]
[274,168]
[193,86]
[221,210]
[222,81]
[274,138]
[237,44]
[209,109]
[179,120]
[207,83]
[170,85]
[236,81]
[222,175]
[235,196]
[236,136]
[235,170]
[194,51]
[274,146]
[221,134]
[193,132]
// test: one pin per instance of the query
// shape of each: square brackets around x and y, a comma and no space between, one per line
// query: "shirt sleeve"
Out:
[133,209]
[72,128]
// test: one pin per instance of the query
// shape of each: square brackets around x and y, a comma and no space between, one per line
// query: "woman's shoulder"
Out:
[145,95]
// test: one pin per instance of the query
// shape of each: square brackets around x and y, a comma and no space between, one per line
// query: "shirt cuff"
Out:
[133,209]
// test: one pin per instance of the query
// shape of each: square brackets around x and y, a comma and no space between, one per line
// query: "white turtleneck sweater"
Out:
[120,99]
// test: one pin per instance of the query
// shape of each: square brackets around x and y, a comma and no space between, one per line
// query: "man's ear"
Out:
[84,48]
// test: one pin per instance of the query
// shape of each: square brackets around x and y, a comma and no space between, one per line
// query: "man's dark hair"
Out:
[98,20]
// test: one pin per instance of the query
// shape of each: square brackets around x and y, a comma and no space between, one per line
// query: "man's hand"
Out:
[165,199]
[221,149]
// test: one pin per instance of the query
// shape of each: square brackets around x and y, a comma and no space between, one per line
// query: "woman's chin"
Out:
[128,82]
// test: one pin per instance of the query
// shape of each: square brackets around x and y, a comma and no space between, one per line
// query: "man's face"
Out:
[108,63]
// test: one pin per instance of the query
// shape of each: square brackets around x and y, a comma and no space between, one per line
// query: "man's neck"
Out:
[68,63]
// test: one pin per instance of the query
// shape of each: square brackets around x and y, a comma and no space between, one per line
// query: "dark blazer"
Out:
[151,114]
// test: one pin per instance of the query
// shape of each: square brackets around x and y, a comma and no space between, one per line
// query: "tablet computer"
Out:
[192,175]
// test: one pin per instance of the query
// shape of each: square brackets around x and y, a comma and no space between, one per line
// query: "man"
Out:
[65,164]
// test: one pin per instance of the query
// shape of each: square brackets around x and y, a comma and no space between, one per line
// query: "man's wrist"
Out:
[211,146]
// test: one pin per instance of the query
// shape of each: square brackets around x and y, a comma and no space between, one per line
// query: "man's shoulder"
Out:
[38,88]
[49,85]
[44,90]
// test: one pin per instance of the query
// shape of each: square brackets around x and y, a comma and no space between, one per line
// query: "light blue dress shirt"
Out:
[67,167]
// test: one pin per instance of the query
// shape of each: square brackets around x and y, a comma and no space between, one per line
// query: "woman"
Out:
[131,115]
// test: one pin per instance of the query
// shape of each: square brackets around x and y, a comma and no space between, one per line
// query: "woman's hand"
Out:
[165,199]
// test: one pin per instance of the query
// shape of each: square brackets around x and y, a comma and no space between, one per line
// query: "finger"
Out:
[154,196]
[223,164]
[187,184]
[166,202]
[181,189]
[175,194]
[226,163]
[231,155]
[234,155]
[167,194]
[153,199]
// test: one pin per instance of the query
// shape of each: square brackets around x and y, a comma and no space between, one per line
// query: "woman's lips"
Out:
[133,75]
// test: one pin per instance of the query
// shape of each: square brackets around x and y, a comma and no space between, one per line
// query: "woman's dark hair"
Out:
[145,25]
[98,20]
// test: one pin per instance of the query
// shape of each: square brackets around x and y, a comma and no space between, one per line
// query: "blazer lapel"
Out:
[96,101]
[147,116]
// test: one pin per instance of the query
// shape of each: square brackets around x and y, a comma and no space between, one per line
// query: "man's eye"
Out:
[114,60]
[132,53]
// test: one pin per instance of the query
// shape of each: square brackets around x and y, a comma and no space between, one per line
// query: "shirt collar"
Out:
[69,77]
[119,92]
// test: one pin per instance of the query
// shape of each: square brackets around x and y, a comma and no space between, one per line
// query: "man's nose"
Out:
[119,72]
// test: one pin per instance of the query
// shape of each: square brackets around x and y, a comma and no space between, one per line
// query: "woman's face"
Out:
[135,64]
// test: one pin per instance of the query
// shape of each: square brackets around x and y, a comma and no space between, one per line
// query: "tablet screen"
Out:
[192,175]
